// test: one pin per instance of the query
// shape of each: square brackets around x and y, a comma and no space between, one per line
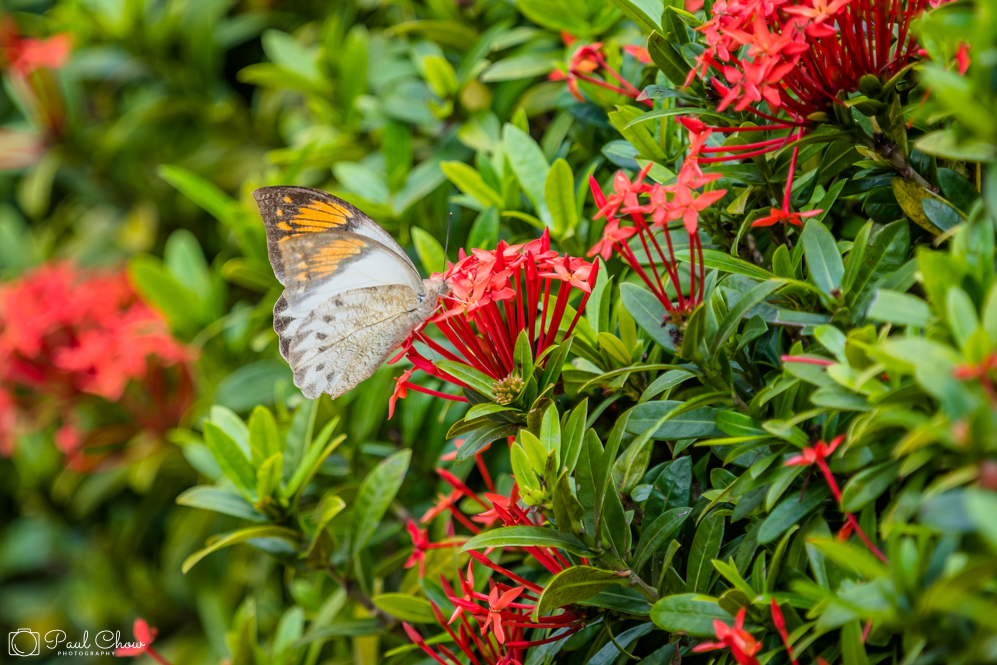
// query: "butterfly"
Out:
[351,294]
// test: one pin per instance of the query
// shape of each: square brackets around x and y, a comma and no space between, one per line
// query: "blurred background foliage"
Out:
[142,148]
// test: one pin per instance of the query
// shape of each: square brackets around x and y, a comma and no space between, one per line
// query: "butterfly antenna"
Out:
[446,245]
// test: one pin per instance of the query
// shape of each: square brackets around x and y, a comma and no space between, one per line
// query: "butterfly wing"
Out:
[290,212]
[319,266]
[345,339]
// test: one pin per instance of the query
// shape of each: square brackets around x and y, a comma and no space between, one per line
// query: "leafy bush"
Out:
[715,383]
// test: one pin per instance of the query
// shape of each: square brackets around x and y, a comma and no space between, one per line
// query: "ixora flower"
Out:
[31,66]
[490,628]
[587,60]
[743,646]
[497,297]
[818,455]
[680,202]
[68,335]
[144,637]
[803,59]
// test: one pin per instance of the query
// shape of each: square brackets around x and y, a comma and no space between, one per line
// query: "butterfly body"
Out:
[351,294]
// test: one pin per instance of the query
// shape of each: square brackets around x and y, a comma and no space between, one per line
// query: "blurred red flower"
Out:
[67,334]
[144,636]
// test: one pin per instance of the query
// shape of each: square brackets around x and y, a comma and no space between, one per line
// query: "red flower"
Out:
[144,636]
[490,628]
[780,625]
[587,60]
[962,58]
[638,52]
[742,645]
[496,604]
[496,295]
[776,215]
[67,334]
[30,65]
[666,203]
[818,455]
[24,55]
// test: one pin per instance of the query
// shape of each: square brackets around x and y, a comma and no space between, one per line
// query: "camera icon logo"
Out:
[24,642]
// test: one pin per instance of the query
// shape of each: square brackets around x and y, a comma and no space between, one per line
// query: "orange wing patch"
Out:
[326,260]
[320,216]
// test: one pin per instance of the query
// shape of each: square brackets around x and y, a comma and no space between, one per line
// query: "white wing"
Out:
[319,266]
[344,340]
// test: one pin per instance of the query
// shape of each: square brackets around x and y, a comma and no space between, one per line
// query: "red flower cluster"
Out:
[490,626]
[588,60]
[30,65]
[495,296]
[67,333]
[677,202]
[800,56]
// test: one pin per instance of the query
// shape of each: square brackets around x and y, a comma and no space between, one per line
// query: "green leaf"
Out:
[230,458]
[485,230]
[161,290]
[559,193]
[526,536]
[694,424]
[240,536]
[440,75]
[726,263]
[852,644]
[645,13]
[867,485]
[885,253]
[823,258]
[429,249]
[252,384]
[313,459]
[356,628]
[958,190]
[291,54]
[481,437]
[899,308]
[943,216]
[790,512]
[405,607]
[689,613]
[268,476]
[856,558]
[477,380]
[205,194]
[649,313]
[530,166]
[575,584]
[756,295]
[327,509]
[705,548]
[639,135]
[375,494]
[671,489]
[469,181]
[621,599]
[661,530]
[264,439]
[218,500]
